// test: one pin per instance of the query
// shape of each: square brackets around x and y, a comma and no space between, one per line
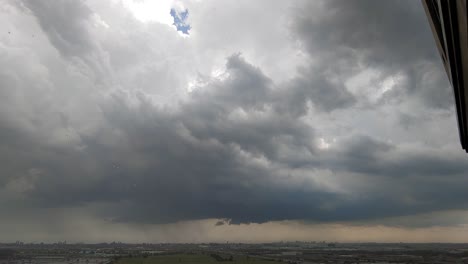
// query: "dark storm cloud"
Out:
[391,36]
[191,164]
[246,86]
[363,154]
[383,32]
[199,162]
[240,146]
[313,86]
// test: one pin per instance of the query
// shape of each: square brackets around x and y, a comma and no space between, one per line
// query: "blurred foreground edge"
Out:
[449,26]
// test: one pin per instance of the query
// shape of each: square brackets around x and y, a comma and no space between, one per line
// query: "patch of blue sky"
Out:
[180,20]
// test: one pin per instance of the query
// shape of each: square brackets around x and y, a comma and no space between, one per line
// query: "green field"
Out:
[190,259]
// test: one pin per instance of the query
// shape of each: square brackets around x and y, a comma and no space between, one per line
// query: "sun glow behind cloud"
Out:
[153,11]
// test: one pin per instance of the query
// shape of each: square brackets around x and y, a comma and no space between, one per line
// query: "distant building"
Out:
[448,20]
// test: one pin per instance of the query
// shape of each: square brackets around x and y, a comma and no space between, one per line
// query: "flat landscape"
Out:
[294,252]
[192,259]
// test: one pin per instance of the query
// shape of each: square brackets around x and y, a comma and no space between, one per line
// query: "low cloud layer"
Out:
[336,113]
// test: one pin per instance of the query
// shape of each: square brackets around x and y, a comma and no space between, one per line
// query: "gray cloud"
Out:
[390,36]
[202,161]
[312,86]
[240,146]
[66,24]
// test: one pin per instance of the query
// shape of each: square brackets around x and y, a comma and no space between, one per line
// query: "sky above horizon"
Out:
[249,121]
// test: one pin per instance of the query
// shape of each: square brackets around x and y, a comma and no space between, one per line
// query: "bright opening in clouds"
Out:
[180,20]
[151,11]
[285,120]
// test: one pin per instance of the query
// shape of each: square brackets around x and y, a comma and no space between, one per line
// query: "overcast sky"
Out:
[239,120]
